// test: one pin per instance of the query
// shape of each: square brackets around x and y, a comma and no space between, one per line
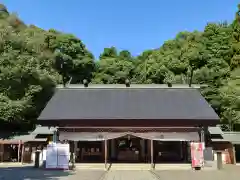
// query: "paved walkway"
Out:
[198,175]
[30,173]
[130,175]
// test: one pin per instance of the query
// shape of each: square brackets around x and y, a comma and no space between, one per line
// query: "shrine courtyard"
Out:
[29,173]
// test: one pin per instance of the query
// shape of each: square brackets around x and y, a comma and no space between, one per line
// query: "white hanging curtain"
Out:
[89,136]
[101,136]
[169,136]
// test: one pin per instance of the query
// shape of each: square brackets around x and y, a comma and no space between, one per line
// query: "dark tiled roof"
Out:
[233,137]
[42,130]
[127,103]
[215,130]
[22,138]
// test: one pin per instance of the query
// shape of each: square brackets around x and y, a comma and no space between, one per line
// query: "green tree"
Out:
[33,61]
[29,69]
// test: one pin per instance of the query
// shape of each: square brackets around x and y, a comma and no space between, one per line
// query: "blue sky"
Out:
[135,25]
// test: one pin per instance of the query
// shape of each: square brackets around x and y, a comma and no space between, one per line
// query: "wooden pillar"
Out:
[1,152]
[202,134]
[74,153]
[73,160]
[105,156]
[234,154]
[181,149]
[55,136]
[152,154]
[22,154]
[19,150]
[202,140]
[142,150]
[113,149]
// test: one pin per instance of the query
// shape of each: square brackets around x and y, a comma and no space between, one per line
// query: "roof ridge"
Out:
[132,86]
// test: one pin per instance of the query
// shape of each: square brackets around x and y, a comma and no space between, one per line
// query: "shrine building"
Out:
[137,123]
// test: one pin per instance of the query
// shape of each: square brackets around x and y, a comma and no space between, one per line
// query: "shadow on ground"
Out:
[30,173]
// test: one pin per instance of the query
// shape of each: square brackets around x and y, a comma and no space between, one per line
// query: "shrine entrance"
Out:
[129,150]
[130,147]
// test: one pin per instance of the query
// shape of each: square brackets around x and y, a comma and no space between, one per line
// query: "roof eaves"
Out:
[42,130]
[215,130]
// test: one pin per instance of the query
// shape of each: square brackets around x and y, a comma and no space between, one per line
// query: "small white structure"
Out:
[57,156]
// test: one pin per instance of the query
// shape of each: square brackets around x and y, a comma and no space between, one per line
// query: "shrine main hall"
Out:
[137,123]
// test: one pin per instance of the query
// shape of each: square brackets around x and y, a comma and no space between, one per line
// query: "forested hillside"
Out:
[33,61]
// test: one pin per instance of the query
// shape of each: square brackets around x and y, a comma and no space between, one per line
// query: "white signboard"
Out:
[57,156]
[63,156]
[51,156]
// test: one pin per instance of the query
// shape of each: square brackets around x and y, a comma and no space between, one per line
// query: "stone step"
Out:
[10,164]
[89,166]
[173,166]
[129,166]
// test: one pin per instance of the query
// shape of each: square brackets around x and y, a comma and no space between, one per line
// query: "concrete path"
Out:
[197,175]
[230,172]
[91,166]
[133,167]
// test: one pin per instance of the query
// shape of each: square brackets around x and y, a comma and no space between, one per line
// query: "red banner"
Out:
[197,154]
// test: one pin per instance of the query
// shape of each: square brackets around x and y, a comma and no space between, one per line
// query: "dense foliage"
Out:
[33,61]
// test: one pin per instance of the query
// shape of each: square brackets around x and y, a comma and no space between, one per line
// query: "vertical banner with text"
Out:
[197,156]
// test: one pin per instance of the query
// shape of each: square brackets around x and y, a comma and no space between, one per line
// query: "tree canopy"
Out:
[33,61]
